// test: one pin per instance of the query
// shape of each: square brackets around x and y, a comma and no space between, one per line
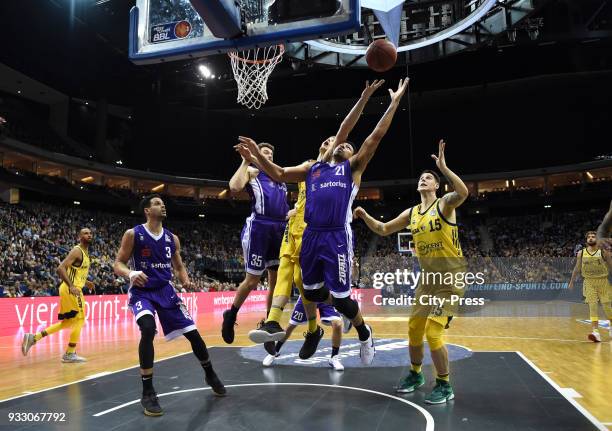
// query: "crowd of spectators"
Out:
[522,249]
[35,237]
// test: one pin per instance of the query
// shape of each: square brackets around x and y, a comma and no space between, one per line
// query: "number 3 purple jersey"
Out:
[153,256]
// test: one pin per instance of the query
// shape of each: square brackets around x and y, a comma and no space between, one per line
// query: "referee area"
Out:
[509,373]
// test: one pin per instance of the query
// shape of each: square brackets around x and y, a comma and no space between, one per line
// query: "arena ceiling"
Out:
[541,97]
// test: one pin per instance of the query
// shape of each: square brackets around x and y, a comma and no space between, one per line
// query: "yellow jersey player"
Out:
[592,262]
[73,271]
[289,271]
[435,235]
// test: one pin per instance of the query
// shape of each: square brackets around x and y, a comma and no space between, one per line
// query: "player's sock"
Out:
[75,334]
[444,377]
[279,344]
[51,330]
[335,351]
[234,310]
[312,324]
[275,314]
[147,382]
[363,331]
[416,367]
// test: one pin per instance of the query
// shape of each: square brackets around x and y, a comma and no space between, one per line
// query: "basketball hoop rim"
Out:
[234,55]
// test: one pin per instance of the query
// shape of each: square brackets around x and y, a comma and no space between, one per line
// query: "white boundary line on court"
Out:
[563,393]
[91,377]
[502,337]
[428,417]
[580,408]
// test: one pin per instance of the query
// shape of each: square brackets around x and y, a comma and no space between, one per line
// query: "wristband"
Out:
[133,275]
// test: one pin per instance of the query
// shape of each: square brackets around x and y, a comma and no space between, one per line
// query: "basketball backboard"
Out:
[167,30]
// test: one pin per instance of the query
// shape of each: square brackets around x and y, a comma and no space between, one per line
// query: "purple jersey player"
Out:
[261,235]
[327,247]
[153,252]
[329,316]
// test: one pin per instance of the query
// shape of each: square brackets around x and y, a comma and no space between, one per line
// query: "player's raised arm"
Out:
[178,265]
[380,228]
[62,269]
[249,151]
[604,230]
[120,267]
[360,160]
[348,124]
[242,176]
[453,199]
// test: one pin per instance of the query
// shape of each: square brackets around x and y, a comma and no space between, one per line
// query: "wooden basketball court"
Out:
[532,362]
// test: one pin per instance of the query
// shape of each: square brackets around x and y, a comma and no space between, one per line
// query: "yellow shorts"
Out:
[71,306]
[596,290]
[291,245]
[429,295]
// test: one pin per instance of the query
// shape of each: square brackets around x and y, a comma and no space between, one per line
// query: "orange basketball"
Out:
[182,29]
[381,55]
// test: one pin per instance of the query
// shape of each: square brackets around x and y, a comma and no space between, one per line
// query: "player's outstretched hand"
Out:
[440,159]
[371,89]
[250,144]
[396,96]
[358,213]
[245,153]
[248,149]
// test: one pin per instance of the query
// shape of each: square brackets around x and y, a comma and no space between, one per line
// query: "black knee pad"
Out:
[147,326]
[346,306]
[317,295]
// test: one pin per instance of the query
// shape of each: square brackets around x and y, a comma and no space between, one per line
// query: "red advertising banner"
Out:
[35,313]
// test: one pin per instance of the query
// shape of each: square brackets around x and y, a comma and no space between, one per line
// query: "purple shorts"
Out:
[327,313]
[327,259]
[173,315]
[261,241]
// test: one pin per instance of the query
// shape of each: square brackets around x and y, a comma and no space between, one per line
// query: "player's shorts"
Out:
[71,306]
[173,315]
[327,258]
[596,290]
[261,240]
[327,314]
[436,285]
[291,245]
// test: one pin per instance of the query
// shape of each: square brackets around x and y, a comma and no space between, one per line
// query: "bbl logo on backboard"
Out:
[170,31]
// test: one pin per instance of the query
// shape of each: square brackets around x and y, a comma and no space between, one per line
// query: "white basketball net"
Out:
[252,68]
